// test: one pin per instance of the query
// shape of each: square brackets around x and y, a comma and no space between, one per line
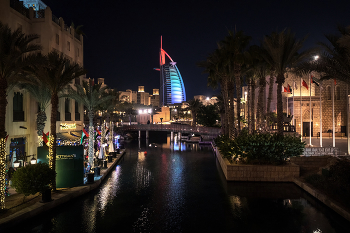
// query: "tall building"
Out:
[34,17]
[172,89]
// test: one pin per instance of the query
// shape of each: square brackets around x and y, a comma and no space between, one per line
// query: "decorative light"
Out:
[2,172]
[51,157]
[33,160]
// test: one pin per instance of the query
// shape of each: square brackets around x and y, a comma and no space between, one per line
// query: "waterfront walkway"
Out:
[19,211]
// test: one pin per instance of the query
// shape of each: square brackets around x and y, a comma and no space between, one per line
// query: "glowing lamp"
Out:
[16,163]
[33,160]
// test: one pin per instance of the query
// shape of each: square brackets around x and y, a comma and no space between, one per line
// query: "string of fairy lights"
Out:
[3,179]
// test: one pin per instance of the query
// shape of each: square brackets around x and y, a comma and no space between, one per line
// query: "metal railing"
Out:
[56,20]
[175,128]
[40,14]
[77,36]
[66,28]
[19,7]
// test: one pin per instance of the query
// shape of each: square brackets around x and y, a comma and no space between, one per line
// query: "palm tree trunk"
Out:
[269,99]
[260,108]
[91,138]
[252,106]
[237,71]
[194,118]
[225,96]
[280,81]
[52,143]
[249,103]
[3,133]
[231,110]
[40,125]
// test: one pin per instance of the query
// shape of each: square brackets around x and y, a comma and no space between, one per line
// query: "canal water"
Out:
[180,188]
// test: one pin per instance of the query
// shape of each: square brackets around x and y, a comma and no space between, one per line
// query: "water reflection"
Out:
[109,190]
[252,202]
[182,190]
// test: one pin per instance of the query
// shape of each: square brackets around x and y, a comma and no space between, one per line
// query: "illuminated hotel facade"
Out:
[172,88]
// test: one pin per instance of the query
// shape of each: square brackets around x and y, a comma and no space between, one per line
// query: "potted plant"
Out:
[34,178]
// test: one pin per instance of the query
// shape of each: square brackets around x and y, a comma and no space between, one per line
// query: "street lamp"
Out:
[16,163]
[33,160]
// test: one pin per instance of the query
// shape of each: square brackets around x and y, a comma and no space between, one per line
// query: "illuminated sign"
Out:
[68,126]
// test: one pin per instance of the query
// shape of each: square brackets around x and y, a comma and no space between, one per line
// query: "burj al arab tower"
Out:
[172,89]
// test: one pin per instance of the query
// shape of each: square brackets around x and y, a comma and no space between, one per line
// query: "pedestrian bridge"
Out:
[210,131]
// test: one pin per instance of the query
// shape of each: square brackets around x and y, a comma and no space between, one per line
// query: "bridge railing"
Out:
[174,128]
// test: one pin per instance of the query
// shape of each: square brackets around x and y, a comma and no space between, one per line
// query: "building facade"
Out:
[34,17]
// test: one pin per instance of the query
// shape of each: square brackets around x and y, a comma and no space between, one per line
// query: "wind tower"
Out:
[172,89]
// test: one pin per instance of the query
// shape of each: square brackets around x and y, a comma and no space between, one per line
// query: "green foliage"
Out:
[207,115]
[261,148]
[33,178]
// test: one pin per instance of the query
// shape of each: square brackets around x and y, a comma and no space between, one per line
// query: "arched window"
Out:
[337,92]
[329,93]
[18,113]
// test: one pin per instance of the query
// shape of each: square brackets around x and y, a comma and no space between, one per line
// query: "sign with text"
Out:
[320,151]
[69,164]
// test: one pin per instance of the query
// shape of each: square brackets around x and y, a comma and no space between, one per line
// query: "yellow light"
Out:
[68,126]
[2,172]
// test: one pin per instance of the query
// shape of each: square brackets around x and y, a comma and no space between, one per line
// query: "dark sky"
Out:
[123,37]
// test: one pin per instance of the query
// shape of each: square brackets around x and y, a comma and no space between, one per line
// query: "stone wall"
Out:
[312,163]
[240,172]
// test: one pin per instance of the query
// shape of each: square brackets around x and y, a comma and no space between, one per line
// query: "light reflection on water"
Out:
[182,190]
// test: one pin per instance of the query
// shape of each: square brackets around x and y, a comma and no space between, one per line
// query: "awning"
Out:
[72,136]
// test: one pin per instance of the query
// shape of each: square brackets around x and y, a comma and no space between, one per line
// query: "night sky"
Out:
[123,37]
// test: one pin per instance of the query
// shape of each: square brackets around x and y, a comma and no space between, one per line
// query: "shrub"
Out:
[263,148]
[33,178]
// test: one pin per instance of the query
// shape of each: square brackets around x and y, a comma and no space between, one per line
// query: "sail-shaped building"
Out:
[172,89]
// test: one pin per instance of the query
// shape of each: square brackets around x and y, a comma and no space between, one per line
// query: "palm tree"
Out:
[55,76]
[91,96]
[259,69]
[43,96]
[220,72]
[15,54]
[282,52]
[194,105]
[109,107]
[236,43]
[334,63]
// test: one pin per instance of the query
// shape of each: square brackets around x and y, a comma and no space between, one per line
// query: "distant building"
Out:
[205,100]
[140,97]
[172,88]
